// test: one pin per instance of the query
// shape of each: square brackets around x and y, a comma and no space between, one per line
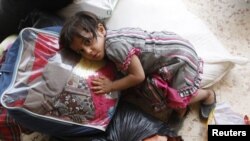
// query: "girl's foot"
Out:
[208,105]
[211,98]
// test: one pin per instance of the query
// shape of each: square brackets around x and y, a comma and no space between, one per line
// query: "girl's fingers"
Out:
[102,77]
[96,82]
[97,89]
[99,77]
[99,92]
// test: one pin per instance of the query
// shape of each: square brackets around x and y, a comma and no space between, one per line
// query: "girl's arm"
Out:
[135,76]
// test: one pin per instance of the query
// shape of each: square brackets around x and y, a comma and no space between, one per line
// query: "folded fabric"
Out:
[46,87]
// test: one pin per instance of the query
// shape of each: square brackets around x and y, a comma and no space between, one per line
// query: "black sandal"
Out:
[205,109]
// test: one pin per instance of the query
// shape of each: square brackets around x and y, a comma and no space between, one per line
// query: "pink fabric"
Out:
[134,51]
[173,99]
[103,106]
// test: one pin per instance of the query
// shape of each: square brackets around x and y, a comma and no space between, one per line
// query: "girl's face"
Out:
[93,50]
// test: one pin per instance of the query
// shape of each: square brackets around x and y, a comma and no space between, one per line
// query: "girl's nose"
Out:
[88,50]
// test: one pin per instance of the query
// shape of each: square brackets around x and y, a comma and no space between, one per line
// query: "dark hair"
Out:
[82,21]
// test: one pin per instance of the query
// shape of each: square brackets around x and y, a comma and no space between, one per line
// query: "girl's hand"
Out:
[101,85]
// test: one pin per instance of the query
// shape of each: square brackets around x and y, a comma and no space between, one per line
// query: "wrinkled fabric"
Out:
[173,58]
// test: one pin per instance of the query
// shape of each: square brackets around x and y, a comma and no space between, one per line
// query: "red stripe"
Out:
[45,47]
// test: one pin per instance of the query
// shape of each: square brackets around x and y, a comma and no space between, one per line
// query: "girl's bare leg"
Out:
[206,96]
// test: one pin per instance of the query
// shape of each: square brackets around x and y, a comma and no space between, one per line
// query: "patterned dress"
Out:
[170,63]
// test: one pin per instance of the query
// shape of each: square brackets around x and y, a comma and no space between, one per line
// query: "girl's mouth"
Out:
[95,55]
